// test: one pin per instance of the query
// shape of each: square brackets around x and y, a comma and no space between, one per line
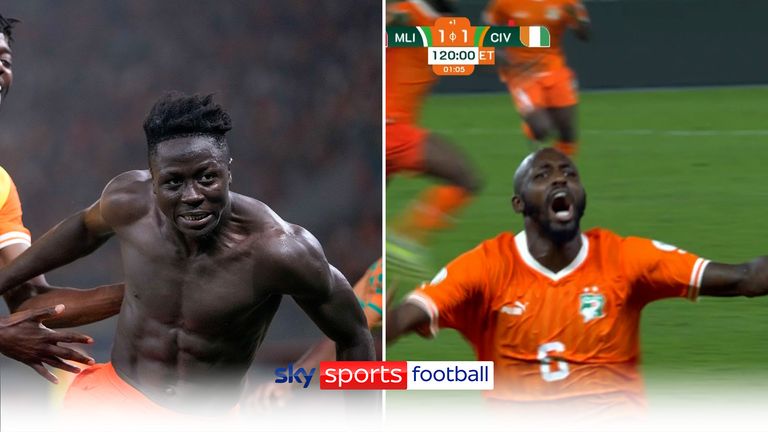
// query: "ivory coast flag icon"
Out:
[534,36]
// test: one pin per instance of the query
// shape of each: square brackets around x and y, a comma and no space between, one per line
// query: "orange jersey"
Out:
[368,291]
[552,14]
[558,335]
[12,230]
[409,77]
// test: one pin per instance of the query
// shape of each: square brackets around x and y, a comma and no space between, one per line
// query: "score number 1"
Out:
[453,52]
[452,36]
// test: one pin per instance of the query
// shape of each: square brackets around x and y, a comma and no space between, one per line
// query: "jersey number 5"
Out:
[549,375]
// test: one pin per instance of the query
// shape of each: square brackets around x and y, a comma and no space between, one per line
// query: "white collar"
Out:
[521,242]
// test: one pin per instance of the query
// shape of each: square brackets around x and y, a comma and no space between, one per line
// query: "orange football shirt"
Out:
[409,77]
[558,335]
[12,230]
[548,13]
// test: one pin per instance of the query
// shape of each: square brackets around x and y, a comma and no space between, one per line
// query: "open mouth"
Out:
[195,219]
[562,207]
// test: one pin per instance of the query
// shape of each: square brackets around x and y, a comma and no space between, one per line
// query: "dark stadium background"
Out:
[301,80]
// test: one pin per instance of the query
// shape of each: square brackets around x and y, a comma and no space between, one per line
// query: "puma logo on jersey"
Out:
[516,310]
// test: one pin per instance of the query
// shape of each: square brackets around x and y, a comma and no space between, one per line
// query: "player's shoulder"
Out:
[606,236]
[500,244]
[129,181]
[491,251]
[604,242]
[289,246]
[601,235]
[126,197]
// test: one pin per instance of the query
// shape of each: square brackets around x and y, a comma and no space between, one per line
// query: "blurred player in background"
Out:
[543,87]
[369,294]
[411,148]
[558,310]
[22,337]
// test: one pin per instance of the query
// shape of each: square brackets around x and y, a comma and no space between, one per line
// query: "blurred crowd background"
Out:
[301,80]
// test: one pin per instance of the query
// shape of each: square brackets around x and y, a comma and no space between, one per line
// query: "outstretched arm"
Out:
[731,280]
[122,202]
[406,318]
[22,335]
[73,238]
[82,306]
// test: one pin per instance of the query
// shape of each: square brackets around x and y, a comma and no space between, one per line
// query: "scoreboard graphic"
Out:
[455,47]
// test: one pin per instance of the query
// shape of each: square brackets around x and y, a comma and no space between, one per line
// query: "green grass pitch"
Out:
[687,167]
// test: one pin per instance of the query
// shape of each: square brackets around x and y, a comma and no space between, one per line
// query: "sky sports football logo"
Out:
[393,375]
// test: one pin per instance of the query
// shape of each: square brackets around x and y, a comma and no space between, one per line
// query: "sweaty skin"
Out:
[205,271]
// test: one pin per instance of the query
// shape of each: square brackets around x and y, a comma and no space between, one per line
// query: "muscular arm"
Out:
[122,202]
[731,280]
[81,306]
[337,313]
[325,295]
[73,238]
[20,293]
[325,349]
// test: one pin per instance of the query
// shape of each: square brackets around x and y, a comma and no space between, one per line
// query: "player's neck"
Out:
[550,253]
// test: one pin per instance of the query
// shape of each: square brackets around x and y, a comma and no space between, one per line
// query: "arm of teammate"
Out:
[25,339]
[81,306]
[579,20]
[22,335]
[79,234]
[732,280]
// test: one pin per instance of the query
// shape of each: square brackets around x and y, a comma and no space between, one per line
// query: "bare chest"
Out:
[223,287]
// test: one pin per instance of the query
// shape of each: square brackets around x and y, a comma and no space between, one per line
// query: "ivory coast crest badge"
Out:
[591,306]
